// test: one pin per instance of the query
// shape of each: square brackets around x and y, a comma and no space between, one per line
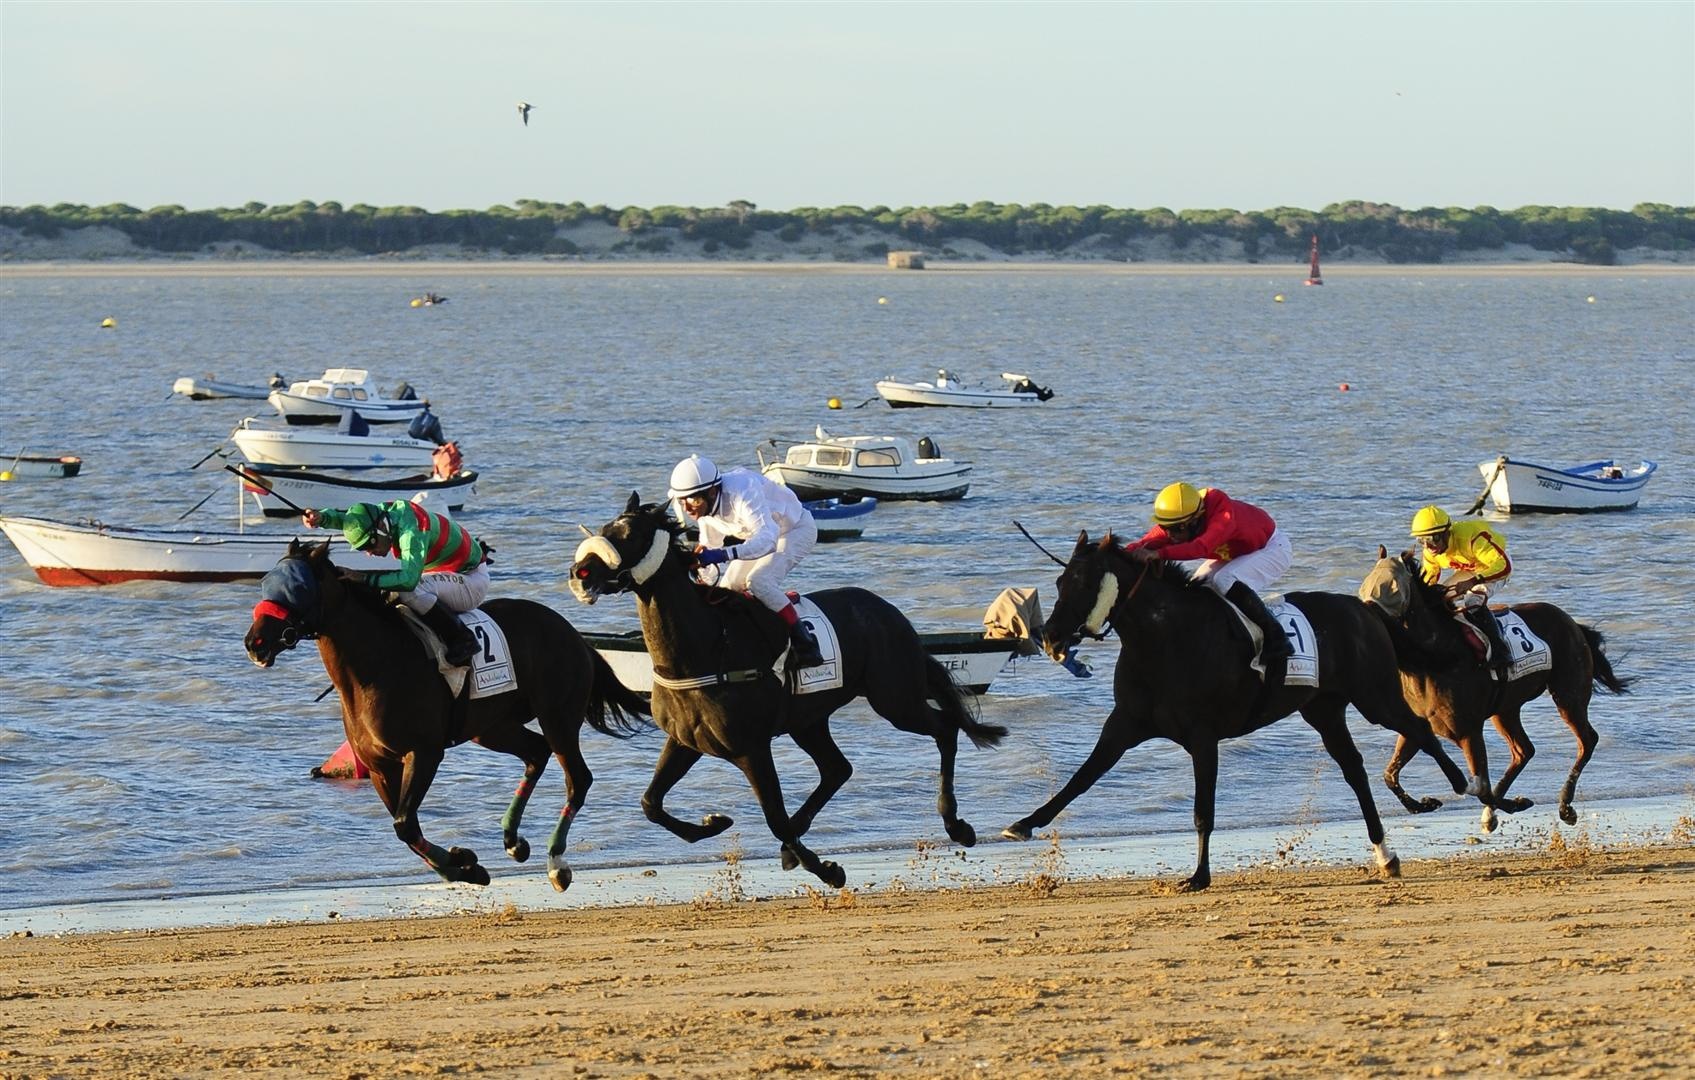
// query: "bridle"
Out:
[625,576]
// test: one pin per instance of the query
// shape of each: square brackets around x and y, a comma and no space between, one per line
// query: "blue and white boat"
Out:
[840,519]
[1519,486]
[343,390]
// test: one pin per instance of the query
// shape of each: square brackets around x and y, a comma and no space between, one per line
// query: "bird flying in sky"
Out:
[524,108]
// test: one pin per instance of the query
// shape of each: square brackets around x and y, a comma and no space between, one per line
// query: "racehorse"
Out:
[715,692]
[1443,681]
[1183,675]
[400,716]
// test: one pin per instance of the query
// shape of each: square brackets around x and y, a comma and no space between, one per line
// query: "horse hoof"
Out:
[475,874]
[789,859]
[1512,806]
[1016,831]
[520,851]
[461,856]
[962,834]
[1194,884]
[832,875]
[1568,814]
[1489,823]
[715,824]
[560,876]
[1392,868]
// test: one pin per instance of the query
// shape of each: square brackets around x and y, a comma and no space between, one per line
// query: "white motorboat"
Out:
[972,659]
[40,467]
[210,388]
[876,466]
[1020,390]
[264,444]
[305,488]
[92,553]
[342,390]
[1517,486]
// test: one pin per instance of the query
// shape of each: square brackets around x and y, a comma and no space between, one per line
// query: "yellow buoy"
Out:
[834,403]
[882,299]
[417,302]
[1278,299]
[108,323]
[7,475]
[1591,299]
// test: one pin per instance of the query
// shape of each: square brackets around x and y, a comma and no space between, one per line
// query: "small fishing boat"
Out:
[972,659]
[840,519]
[1517,486]
[306,488]
[210,388]
[342,390]
[36,467]
[265,444]
[93,553]
[861,466]
[947,389]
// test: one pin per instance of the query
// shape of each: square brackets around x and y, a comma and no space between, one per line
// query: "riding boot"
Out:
[1500,654]
[804,645]
[458,641]
[1275,650]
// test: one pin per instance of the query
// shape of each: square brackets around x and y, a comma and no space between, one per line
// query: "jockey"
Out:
[1233,546]
[1475,553]
[768,530]
[443,569]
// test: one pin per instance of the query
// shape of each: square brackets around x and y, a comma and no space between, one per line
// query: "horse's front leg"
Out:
[453,864]
[834,769]
[1404,751]
[1522,749]
[675,760]
[761,773]
[1118,734]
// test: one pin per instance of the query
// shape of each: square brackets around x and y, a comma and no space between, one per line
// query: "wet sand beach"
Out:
[1568,961]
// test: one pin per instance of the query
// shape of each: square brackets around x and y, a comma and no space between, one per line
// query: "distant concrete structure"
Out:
[906,260]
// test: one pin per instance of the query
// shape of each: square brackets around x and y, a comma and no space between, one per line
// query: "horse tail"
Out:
[957,707]
[614,709]
[1604,673]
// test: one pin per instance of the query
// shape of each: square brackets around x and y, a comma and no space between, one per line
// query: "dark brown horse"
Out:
[713,651]
[1445,684]
[1183,675]
[400,716]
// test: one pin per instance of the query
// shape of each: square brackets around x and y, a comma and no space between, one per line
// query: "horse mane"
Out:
[1431,604]
[1167,570]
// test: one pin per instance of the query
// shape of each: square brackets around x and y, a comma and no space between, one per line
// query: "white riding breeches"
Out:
[1258,570]
[763,577]
[456,592]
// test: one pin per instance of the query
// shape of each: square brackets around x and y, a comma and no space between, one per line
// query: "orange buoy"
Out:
[344,764]
[1343,387]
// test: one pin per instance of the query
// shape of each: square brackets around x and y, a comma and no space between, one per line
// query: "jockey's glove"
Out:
[712,556]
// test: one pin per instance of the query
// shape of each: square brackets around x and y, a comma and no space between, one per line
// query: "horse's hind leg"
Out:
[532,749]
[1522,749]
[834,769]
[1328,718]
[1118,734]
[926,720]
[1404,751]
[417,771]
[761,773]
[1477,759]
[569,751]
[1204,754]
[675,760]
[1576,716]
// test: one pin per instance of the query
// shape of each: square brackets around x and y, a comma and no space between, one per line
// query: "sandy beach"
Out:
[1569,961]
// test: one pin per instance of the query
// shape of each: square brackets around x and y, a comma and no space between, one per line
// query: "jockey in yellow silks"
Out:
[1474,553]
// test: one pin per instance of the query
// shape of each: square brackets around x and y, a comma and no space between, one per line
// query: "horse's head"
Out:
[292,602]
[1396,585]
[625,553]
[1088,590]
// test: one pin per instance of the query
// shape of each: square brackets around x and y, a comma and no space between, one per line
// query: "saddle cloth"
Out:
[1530,653]
[490,670]
[828,675]
[1301,669]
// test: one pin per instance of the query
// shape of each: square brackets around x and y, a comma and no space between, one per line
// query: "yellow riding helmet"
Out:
[1176,503]
[1429,521]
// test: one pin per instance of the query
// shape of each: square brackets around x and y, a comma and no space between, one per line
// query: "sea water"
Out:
[144,760]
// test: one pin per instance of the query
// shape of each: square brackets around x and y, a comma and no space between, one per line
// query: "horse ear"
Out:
[1106,541]
[1083,538]
[1382,552]
[634,504]
[320,551]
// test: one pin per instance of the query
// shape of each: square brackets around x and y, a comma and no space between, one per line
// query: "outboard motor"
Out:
[426,425]
[352,423]
[927,448]
[404,392]
[278,382]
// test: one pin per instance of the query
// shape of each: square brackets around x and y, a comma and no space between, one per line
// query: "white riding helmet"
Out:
[692,475]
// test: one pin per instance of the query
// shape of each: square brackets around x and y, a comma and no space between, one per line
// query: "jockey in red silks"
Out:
[1232,546]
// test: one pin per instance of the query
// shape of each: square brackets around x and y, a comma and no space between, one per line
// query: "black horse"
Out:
[1183,675]
[713,651]
[400,716]
[1444,683]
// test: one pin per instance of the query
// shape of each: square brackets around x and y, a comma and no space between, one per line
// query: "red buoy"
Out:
[1313,277]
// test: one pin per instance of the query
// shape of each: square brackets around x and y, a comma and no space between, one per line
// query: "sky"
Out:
[787,104]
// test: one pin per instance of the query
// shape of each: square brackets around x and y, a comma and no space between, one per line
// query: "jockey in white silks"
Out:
[768,532]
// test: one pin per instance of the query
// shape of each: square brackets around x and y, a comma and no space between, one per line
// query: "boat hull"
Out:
[839,520]
[901,395]
[1525,487]
[65,553]
[300,409]
[972,659]
[325,449]
[42,468]
[212,389]
[812,482]
[320,489]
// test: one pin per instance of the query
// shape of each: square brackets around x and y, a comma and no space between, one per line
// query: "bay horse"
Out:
[1183,675]
[713,651]
[1444,683]
[400,716]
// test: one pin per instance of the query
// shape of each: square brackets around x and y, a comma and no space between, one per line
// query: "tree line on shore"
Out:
[532,227]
